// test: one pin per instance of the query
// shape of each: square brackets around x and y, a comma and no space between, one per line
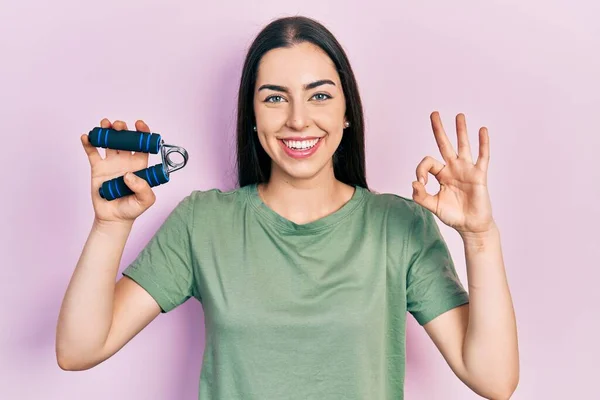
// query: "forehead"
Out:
[296,65]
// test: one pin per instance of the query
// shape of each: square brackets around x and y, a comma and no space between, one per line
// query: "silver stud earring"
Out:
[254,128]
[346,124]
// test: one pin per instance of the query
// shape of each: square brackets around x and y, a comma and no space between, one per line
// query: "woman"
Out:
[305,276]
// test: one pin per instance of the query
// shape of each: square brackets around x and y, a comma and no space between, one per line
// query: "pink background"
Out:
[529,71]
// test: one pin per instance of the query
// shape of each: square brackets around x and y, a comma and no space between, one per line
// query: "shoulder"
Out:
[216,196]
[214,201]
[393,205]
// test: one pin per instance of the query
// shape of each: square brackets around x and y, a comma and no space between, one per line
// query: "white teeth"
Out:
[300,144]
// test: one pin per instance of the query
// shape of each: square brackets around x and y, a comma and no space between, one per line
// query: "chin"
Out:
[303,173]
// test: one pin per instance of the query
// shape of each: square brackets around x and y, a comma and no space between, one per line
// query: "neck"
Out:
[305,200]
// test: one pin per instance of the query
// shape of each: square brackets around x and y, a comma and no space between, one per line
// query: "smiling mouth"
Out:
[301,144]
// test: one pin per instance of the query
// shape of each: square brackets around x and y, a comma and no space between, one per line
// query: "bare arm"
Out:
[479,340]
[97,317]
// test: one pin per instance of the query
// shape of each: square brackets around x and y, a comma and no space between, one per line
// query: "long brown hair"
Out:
[253,163]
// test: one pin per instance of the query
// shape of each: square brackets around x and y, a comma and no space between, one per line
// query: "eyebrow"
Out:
[308,86]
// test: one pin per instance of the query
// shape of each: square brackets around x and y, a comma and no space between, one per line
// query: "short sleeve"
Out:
[164,267]
[432,285]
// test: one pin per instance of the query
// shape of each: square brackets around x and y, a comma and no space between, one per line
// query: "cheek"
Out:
[268,142]
[329,121]
[270,120]
[264,142]
[330,116]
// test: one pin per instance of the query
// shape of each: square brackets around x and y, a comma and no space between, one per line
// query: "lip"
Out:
[300,154]
[300,138]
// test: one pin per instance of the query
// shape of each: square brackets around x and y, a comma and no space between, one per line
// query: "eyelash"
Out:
[267,100]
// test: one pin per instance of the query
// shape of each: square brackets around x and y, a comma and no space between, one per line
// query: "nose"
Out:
[298,118]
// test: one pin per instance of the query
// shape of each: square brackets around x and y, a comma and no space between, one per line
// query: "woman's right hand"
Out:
[118,163]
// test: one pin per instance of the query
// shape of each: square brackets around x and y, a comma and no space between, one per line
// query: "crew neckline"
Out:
[310,227]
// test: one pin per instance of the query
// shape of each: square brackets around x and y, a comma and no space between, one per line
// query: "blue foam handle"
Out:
[125,140]
[117,188]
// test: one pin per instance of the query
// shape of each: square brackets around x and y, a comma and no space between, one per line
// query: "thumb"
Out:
[140,188]
[421,197]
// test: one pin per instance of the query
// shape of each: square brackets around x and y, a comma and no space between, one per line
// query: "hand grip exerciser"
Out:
[139,142]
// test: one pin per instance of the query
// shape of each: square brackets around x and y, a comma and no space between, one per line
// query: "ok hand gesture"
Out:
[463,201]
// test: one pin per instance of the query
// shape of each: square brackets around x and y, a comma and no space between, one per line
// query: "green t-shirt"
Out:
[312,311]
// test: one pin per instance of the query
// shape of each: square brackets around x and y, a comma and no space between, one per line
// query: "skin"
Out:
[98,317]
[300,190]
[478,340]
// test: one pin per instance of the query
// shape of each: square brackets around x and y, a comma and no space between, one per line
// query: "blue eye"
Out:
[325,96]
[270,98]
[279,99]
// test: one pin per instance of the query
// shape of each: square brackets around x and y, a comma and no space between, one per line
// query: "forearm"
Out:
[490,350]
[87,309]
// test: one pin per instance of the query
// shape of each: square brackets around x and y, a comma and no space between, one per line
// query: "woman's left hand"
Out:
[463,201]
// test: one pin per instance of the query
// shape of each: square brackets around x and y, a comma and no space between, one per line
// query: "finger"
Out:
[464,148]
[105,123]
[117,126]
[142,127]
[91,151]
[421,197]
[483,160]
[142,190]
[441,138]
[426,166]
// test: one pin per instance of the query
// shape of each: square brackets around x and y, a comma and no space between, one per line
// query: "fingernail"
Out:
[422,180]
